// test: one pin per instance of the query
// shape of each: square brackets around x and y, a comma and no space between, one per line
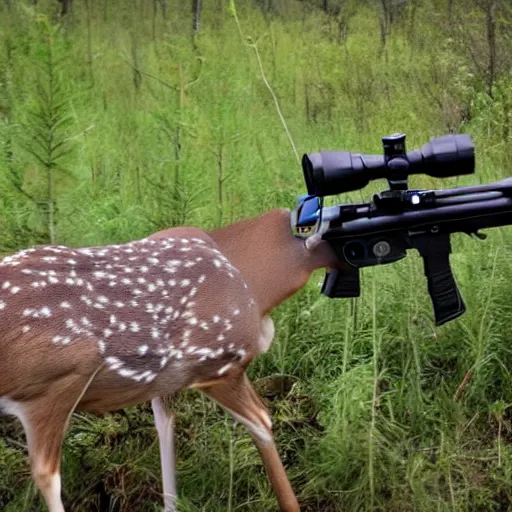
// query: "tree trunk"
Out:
[196,13]
[450,13]
[154,18]
[491,41]
[89,41]
[163,5]
[65,6]
[384,23]
[220,184]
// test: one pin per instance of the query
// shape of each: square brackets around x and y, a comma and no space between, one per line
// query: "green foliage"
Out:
[373,408]
[46,128]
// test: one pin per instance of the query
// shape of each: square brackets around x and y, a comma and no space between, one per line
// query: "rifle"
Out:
[399,219]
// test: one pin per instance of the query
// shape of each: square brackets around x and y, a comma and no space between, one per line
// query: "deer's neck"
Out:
[274,263]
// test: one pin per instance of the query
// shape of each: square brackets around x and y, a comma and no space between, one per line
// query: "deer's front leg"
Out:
[237,396]
[164,422]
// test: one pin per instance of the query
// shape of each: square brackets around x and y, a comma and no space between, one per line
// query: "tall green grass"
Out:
[373,408]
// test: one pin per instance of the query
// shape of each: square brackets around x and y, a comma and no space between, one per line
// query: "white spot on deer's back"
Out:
[142,375]
[86,299]
[125,372]
[113,362]
[150,378]
[224,369]
[205,351]
[61,340]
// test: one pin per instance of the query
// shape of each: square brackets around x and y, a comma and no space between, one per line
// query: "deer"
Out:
[101,328]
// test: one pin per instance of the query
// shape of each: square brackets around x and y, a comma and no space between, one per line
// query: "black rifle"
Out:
[382,230]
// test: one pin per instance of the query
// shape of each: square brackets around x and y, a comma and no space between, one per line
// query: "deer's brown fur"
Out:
[181,308]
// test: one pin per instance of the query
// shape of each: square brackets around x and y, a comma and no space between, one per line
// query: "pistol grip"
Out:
[446,298]
[444,293]
[341,285]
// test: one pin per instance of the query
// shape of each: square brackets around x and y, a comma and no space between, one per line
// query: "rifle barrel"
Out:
[504,186]
[464,217]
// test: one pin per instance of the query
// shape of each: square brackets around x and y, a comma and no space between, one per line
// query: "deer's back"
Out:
[160,313]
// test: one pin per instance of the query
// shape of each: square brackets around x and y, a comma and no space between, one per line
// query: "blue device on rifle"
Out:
[399,219]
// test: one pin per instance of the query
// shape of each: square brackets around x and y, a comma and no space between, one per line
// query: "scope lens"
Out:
[308,170]
[450,155]
[333,172]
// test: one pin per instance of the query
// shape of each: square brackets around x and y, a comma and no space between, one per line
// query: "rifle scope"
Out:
[329,172]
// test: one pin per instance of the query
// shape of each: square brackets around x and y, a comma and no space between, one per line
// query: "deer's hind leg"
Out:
[45,420]
[237,396]
[45,431]
[164,422]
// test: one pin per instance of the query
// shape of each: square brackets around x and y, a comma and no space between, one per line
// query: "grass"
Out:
[374,409]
